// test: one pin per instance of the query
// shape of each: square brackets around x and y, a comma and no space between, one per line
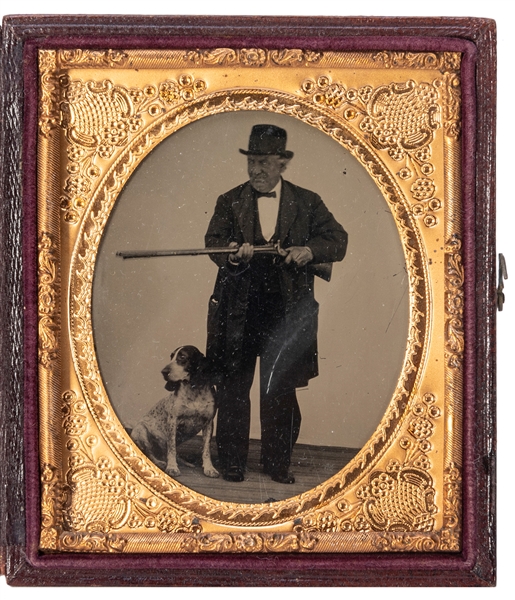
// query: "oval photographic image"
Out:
[255,371]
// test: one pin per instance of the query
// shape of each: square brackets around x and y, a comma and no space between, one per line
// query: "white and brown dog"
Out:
[188,409]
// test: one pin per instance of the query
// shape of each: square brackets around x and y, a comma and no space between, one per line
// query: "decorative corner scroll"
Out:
[399,118]
[97,497]
[398,498]
[448,539]
[100,119]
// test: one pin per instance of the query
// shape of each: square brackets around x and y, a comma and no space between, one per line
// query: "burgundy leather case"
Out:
[20,560]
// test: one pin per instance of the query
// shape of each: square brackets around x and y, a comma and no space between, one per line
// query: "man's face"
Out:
[265,171]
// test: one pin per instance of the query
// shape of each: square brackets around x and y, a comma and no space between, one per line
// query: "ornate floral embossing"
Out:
[452,105]
[92,542]
[95,113]
[450,534]
[49,88]
[325,521]
[400,498]
[100,118]
[288,57]
[398,118]
[54,494]
[100,496]
[323,91]
[445,540]
[185,89]
[448,63]
[84,355]
[440,61]
[253,57]
[406,542]
[402,118]
[126,59]
[48,294]
[169,521]
[250,542]
[92,58]
[218,56]
[454,299]
[155,115]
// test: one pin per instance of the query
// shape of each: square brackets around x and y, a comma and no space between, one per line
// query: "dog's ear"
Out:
[195,361]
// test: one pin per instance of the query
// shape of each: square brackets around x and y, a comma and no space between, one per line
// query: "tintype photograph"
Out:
[336,319]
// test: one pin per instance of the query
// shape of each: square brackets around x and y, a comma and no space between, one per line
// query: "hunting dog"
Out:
[188,409]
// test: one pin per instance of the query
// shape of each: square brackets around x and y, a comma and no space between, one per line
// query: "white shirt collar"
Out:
[268,212]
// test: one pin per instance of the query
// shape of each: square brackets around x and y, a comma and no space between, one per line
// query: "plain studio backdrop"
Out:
[145,308]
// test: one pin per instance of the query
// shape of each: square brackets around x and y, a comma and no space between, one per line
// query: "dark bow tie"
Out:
[266,194]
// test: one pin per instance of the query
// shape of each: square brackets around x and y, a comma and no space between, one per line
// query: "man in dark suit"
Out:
[264,305]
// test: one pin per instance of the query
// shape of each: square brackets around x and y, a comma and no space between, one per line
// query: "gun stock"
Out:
[322,270]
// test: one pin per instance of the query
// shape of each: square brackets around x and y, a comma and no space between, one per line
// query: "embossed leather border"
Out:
[21,38]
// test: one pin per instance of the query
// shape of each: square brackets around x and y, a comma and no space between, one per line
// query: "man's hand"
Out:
[244,254]
[299,255]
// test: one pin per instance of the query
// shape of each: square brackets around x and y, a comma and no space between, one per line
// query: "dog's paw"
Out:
[211,472]
[173,471]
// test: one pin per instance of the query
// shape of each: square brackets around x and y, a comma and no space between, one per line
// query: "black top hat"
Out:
[267,139]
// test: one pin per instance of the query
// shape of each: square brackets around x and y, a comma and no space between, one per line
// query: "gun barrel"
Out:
[322,270]
[191,252]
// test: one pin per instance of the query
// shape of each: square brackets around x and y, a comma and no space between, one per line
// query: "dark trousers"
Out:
[279,409]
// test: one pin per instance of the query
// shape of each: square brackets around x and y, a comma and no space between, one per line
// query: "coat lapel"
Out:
[287,211]
[244,210]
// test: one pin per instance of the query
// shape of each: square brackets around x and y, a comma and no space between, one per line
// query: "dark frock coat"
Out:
[303,220]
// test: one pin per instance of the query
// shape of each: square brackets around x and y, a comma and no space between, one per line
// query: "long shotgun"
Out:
[193,252]
[322,270]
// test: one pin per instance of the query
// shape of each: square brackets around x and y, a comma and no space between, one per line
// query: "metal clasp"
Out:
[503,274]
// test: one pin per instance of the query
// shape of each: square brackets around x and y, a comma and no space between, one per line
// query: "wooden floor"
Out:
[311,465]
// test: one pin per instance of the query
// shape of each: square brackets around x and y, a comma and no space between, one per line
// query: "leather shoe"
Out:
[233,474]
[279,477]
[282,477]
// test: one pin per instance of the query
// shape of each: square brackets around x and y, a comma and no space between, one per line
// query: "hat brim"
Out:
[286,154]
